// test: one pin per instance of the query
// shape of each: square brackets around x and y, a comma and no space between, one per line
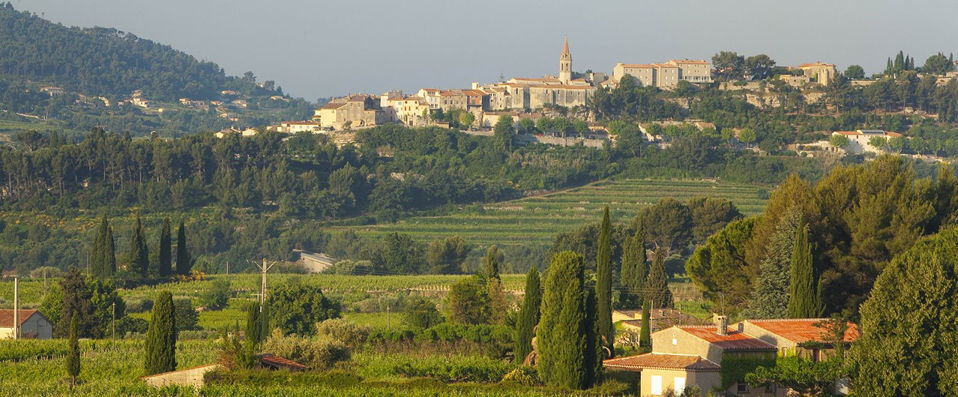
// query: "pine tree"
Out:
[528,315]
[604,282]
[634,269]
[645,332]
[183,261]
[805,300]
[139,255]
[73,353]
[166,250]
[161,337]
[657,286]
[769,299]
[102,256]
[491,263]
[562,335]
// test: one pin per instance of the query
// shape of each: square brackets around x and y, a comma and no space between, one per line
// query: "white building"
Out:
[859,140]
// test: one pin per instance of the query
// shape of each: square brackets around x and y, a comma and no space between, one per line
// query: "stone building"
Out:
[353,111]
[821,73]
[667,74]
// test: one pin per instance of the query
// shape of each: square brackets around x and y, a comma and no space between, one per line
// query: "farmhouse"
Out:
[686,356]
[33,324]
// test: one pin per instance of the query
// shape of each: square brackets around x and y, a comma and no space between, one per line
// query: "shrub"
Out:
[139,306]
[216,296]
[317,353]
[352,335]
[524,376]
[421,313]
[131,325]
[186,316]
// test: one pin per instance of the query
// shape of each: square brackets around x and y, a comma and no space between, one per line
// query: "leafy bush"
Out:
[185,316]
[131,325]
[350,334]
[421,313]
[524,376]
[139,305]
[216,296]
[318,353]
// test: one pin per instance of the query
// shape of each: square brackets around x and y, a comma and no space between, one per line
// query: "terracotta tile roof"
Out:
[548,79]
[801,330]
[847,133]
[333,105]
[639,65]
[815,64]
[473,93]
[696,61]
[6,317]
[665,361]
[893,134]
[274,361]
[734,340]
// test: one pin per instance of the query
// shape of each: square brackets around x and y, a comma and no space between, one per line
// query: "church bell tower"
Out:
[565,64]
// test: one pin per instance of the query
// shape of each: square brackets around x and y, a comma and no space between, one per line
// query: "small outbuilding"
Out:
[33,324]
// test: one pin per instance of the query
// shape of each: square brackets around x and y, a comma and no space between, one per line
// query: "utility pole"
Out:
[227,268]
[113,323]
[16,308]
[262,289]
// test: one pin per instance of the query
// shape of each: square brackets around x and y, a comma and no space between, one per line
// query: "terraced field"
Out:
[537,219]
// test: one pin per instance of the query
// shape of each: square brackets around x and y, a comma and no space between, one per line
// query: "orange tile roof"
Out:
[814,64]
[639,65]
[333,105]
[664,361]
[734,340]
[847,133]
[6,317]
[893,134]
[697,61]
[801,330]
[535,79]
[274,361]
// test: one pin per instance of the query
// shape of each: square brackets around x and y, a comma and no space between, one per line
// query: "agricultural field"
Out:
[536,220]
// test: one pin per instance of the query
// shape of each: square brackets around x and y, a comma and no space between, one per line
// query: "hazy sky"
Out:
[330,48]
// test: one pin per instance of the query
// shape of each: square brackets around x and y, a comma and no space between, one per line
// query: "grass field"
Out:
[538,219]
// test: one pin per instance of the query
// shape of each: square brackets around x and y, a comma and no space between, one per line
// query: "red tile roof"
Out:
[6,317]
[801,330]
[665,361]
[333,105]
[847,132]
[815,64]
[732,341]
[273,361]
[698,61]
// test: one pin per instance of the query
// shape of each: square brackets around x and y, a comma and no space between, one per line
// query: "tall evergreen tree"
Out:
[184,263]
[604,282]
[645,332]
[634,269]
[769,299]
[102,255]
[138,258]
[595,350]
[257,323]
[161,337]
[76,302]
[657,291]
[73,353]
[528,315]
[563,331]
[491,263]
[805,300]
[166,250]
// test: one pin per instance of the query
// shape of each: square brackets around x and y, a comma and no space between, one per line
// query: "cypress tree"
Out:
[183,261]
[562,334]
[139,255]
[604,282]
[594,348]
[102,256]
[77,303]
[645,332]
[491,263]
[161,337]
[633,273]
[166,250]
[257,323]
[73,353]
[528,315]
[657,285]
[805,300]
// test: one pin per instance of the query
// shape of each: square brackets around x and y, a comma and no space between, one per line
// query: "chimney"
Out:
[721,325]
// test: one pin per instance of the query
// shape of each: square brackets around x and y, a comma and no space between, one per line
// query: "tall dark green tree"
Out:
[160,355]
[102,255]
[138,258]
[804,301]
[165,262]
[73,353]
[657,291]
[563,331]
[634,269]
[257,323]
[528,315]
[491,263]
[604,282]
[184,263]
[76,302]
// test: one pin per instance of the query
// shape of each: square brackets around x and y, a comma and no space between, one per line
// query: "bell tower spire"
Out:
[565,63]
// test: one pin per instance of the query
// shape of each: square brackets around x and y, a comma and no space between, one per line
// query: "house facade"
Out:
[32,324]
[353,111]
[859,141]
[821,73]
[666,74]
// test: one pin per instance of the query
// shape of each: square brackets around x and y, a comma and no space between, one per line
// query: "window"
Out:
[678,385]
[742,388]
[656,385]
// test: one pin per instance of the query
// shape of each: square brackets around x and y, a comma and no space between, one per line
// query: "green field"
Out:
[537,220]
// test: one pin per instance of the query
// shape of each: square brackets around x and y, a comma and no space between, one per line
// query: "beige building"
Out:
[412,111]
[859,141]
[32,324]
[355,111]
[686,356]
[294,127]
[821,73]
[665,75]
